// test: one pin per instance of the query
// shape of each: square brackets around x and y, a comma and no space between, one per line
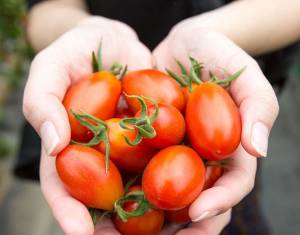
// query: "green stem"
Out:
[143,123]
[100,131]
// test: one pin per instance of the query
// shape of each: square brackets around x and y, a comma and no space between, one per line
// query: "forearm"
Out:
[258,26]
[50,19]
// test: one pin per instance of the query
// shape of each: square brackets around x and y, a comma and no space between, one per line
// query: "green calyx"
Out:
[98,128]
[97,63]
[186,79]
[143,123]
[135,196]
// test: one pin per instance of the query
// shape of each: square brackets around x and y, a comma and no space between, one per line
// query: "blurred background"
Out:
[23,210]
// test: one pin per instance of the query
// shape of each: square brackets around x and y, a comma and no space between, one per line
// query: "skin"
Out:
[97,95]
[82,170]
[130,158]
[169,127]
[148,224]
[256,100]
[213,122]
[164,172]
[152,84]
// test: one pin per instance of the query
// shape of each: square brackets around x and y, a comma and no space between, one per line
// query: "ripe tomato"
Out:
[123,109]
[179,216]
[153,84]
[129,158]
[187,93]
[148,224]
[213,122]
[213,173]
[169,126]
[96,94]
[82,170]
[173,178]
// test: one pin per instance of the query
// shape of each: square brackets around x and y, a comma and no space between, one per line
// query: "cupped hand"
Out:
[52,71]
[253,95]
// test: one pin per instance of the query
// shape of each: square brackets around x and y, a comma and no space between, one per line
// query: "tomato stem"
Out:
[143,123]
[135,196]
[100,131]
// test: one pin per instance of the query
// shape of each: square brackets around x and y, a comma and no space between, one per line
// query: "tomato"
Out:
[213,122]
[96,94]
[173,178]
[129,158]
[123,109]
[82,170]
[187,93]
[213,173]
[169,126]
[179,216]
[148,224]
[153,84]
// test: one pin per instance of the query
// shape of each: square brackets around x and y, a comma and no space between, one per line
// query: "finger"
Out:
[72,215]
[212,226]
[105,227]
[251,91]
[65,61]
[236,182]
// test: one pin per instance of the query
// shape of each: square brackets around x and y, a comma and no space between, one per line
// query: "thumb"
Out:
[42,105]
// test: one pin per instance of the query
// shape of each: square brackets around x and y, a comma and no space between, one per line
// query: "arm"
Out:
[50,19]
[257,26]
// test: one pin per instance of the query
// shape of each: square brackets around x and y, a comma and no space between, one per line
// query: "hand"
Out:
[253,95]
[52,71]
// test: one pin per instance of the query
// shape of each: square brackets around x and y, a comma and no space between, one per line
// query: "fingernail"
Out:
[49,137]
[259,138]
[205,215]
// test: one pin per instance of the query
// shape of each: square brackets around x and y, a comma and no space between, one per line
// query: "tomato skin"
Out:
[96,94]
[213,173]
[129,158]
[173,178]
[179,216]
[213,122]
[187,93]
[148,224]
[153,84]
[169,126]
[82,170]
[122,108]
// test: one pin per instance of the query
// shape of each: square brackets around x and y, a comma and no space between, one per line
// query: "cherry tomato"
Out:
[213,122]
[213,173]
[129,158]
[96,94]
[179,216]
[82,170]
[173,178]
[148,224]
[153,84]
[123,109]
[169,126]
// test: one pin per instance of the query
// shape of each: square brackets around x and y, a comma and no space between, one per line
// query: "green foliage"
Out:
[14,50]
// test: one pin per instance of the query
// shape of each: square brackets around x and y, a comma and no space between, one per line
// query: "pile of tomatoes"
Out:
[146,143]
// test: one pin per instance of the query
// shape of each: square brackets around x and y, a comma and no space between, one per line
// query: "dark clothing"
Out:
[152,20]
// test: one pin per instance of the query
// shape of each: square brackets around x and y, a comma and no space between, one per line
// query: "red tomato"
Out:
[169,126]
[173,178]
[123,109]
[96,94]
[82,170]
[213,122]
[148,224]
[179,216]
[153,84]
[213,173]
[129,158]
[187,93]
